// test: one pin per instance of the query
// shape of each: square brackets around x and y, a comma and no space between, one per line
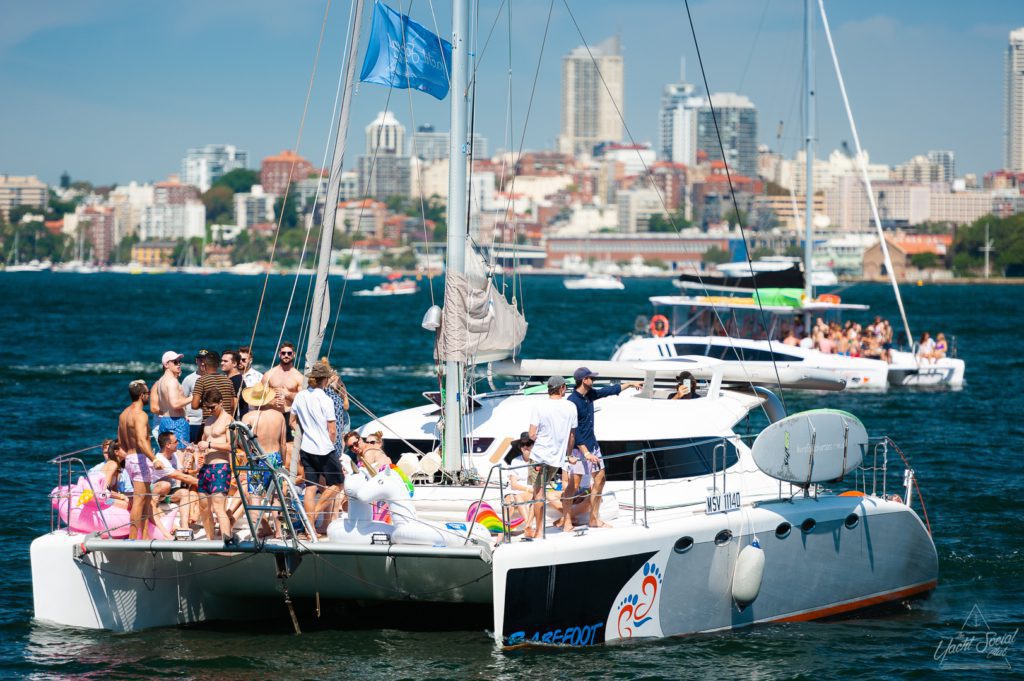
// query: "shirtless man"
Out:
[215,474]
[133,438]
[167,401]
[268,426]
[286,381]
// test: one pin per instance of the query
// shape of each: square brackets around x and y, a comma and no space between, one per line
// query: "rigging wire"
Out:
[291,170]
[735,203]
[660,194]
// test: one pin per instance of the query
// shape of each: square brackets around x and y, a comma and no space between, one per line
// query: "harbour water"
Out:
[71,344]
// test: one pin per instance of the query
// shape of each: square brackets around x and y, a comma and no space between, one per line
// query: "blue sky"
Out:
[114,91]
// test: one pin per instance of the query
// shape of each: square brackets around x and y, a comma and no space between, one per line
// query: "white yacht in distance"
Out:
[722,327]
[603,282]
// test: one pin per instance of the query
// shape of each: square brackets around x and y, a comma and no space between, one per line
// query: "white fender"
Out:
[746,580]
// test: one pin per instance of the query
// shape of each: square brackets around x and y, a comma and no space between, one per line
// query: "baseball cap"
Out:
[170,356]
[582,373]
[555,382]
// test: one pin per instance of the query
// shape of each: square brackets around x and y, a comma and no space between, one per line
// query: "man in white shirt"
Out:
[249,375]
[552,429]
[313,411]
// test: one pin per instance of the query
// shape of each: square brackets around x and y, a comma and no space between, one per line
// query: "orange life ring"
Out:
[829,298]
[659,325]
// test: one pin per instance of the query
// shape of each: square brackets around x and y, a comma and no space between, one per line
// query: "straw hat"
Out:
[259,395]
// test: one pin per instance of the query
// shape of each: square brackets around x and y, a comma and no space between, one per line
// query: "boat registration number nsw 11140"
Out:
[723,503]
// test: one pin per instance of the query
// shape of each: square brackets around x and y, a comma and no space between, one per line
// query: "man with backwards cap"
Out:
[167,401]
[588,451]
[552,423]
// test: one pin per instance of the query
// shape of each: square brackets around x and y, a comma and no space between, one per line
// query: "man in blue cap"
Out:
[588,452]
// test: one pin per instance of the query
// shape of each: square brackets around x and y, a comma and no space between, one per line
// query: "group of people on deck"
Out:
[560,445]
[191,466]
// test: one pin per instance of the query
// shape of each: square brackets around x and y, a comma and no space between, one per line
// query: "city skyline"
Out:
[120,91]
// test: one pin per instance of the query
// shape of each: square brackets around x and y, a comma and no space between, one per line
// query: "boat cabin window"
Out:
[395,447]
[675,458]
[731,353]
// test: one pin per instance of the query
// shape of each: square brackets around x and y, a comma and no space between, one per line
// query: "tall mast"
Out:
[321,310]
[458,209]
[809,155]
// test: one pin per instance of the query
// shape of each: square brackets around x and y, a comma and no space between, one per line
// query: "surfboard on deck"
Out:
[813,446]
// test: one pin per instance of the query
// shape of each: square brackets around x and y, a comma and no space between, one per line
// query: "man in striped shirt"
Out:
[212,381]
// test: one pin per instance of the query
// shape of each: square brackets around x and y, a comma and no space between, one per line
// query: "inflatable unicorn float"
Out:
[391,485]
[90,505]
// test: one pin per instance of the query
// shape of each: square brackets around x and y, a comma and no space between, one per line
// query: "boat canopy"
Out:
[750,303]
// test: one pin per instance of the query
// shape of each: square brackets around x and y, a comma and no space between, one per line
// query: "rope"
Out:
[736,207]
[284,201]
[864,176]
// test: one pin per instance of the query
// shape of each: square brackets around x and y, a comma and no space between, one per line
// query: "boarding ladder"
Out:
[283,498]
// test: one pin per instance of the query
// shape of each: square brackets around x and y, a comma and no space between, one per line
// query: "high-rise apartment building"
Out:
[203,166]
[592,97]
[384,170]
[737,125]
[677,122]
[1013,124]
[945,159]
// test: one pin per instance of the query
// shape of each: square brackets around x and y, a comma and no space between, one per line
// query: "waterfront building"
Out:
[905,204]
[429,145]
[153,253]
[254,207]
[22,190]
[683,250]
[1013,104]
[275,171]
[173,221]
[203,166]
[737,124]
[592,97]
[670,181]
[901,248]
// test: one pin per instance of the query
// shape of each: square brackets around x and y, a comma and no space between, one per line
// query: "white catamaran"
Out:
[711,529]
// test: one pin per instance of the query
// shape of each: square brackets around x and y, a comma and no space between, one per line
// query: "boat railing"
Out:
[68,461]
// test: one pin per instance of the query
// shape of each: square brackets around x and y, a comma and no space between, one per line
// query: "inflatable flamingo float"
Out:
[89,508]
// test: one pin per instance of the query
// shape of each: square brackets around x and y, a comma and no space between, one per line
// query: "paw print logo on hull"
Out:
[635,608]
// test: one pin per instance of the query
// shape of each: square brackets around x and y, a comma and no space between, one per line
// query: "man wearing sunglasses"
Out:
[167,400]
[286,381]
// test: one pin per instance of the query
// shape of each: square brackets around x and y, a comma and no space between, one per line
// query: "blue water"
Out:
[72,343]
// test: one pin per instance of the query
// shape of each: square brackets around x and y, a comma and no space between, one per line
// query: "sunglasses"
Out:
[176,361]
[287,353]
[372,442]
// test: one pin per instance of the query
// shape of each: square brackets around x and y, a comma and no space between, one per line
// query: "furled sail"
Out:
[477,325]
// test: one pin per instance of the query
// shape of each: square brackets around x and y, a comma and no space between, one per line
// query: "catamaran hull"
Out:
[674,578]
[127,587]
[905,370]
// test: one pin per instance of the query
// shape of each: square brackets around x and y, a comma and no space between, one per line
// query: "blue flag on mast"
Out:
[404,54]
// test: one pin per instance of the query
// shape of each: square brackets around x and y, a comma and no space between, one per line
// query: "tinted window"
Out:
[681,458]
[395,448]
[731,353]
